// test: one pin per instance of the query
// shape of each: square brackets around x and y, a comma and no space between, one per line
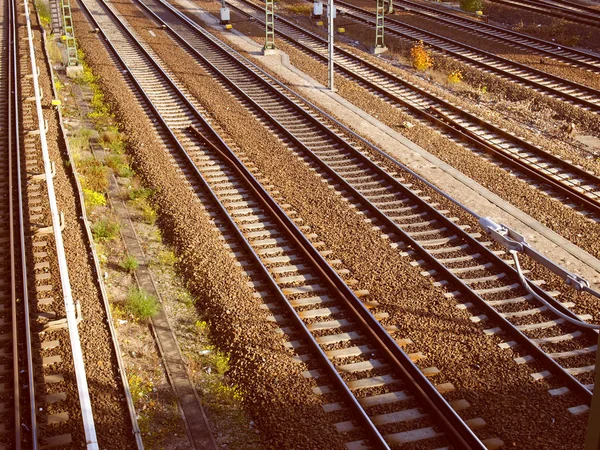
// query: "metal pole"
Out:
[269,48]
[330,14]
[592,440]
[380,29]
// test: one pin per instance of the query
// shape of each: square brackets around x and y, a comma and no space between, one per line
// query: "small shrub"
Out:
[105,230]
[167,258]
[421,57]
[93,199]
[113,140]
[94,174]
[187,299]
[58,85]
[304,10]
[129,264]
[111,134]
[455,77]
[54,52]
[148,214]
[141,305]
[140,193]
[119,165]
[139,387]
[43,11]
[81,140]
[471,5]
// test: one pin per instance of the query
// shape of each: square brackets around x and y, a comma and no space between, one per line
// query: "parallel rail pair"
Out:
[565,180]
[568,55]
[563,9]
[407,219]
[27,420]
[291,271]
[551,85]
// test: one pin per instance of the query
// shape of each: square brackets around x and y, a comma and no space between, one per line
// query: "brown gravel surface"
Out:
[285,409]
[113,425]
[518,55]
[540,206]
[498,390]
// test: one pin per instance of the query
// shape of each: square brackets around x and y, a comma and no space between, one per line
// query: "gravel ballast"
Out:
[498,390]
[279,398]
[111,415]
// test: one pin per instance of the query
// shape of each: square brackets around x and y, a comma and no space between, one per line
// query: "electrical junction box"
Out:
[334,11]
[317,9]
[225,16]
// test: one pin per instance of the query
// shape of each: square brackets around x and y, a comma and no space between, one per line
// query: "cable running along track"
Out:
[570,183]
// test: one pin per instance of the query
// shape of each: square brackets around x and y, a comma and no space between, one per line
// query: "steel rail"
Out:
[357,14]
[347,394]
[80,375]
[569,55]
[14,151]
[234,57]
[444,122]
[20,187]
[568,6]
[89,242]
[554,11]
[457,429]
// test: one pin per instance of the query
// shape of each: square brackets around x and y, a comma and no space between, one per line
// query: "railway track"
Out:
[481,280]
[551,85]
[558,8]
[346,346]
[568,55]
[456,256]
[11,333]
[548,172]
[36,412]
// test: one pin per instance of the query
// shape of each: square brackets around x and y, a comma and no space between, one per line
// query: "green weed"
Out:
[140,193]
[93,199]
[119,165]
[94,175]
[105,230]
[139,387]
[43,12]
[167,258]
[141,305]
[129,264]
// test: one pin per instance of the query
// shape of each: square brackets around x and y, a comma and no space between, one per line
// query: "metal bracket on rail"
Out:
[62,323]
[42,175]
[49,229]
[38,131]
[29,76]
[32,99]
[516,243]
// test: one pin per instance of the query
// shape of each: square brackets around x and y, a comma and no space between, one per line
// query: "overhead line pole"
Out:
[330,17]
